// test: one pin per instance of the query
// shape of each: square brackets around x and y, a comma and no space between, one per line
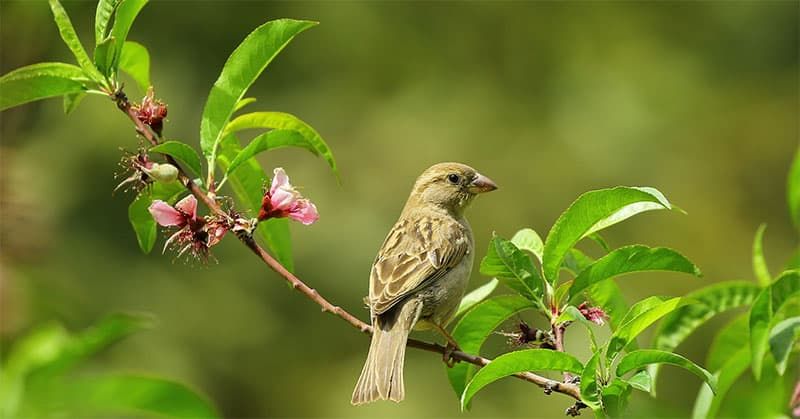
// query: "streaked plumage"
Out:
[420,273]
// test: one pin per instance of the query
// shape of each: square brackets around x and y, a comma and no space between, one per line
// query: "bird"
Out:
[419,275]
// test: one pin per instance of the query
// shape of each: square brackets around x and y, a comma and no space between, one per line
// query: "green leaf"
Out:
[597,238]
[475,327]
[242,103]
[708,403]
[590,391]
[528,239]
[639,318]
[70,38]
[576,261]
[72,100]
[793,190]
[40,81]
[104,333]
[763,311]
[476,296]
[572,314]
[244,65]
[181,152]
[105,10]
[729,340]
[516,362]
[505,261]
[592,212]
[104,56]
[630,259]
[139,216]
[616,396]
[247,182]
[781,341]
[643,357]
[288,130]
[135,60]
[125,395]
[127,10]
[641,381]
[759,263]
[714,299]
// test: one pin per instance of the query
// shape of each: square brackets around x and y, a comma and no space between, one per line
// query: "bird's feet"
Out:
[447,355]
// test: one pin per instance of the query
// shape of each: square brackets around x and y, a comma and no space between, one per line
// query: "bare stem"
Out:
[549,385]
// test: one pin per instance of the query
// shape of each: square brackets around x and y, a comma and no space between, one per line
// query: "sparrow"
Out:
[420,274]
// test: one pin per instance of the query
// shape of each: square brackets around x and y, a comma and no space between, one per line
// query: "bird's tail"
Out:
[382,375]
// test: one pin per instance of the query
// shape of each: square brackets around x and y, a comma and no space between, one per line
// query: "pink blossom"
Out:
[283,200]
[595,315]
[195,234]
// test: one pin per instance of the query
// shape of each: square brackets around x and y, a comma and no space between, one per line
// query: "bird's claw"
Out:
[447,355]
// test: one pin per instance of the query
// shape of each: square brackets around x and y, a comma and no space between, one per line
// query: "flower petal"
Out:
[165,215]
[279,180]
[305,212]
[188,206]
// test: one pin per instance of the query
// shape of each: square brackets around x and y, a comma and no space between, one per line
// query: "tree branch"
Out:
[549,385]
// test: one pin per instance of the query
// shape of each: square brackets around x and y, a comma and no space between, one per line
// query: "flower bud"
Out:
[163,172]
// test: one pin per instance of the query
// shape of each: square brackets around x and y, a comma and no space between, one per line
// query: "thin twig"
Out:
[549,385]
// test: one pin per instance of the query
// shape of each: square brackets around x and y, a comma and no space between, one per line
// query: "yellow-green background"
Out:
[698,99]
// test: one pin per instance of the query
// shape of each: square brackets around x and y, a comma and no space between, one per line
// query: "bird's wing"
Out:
[417,251]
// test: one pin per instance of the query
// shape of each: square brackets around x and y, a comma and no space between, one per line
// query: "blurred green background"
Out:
[700,100]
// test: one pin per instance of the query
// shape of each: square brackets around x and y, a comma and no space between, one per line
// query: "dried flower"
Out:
[135,168]
[195,234]
[525,335]
[152,111]
[283,200]
[595,315]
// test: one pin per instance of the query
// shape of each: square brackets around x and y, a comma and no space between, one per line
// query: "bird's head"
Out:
[450,185]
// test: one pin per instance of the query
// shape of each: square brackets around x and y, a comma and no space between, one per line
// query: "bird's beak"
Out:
[482,184]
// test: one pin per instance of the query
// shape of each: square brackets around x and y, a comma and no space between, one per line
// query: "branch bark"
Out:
[549,385]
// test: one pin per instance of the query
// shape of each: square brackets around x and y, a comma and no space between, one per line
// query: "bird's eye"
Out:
[453,178]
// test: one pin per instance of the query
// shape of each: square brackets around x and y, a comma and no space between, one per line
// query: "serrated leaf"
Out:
[629,259]
[592,212]
[528,239]
[247,182]
[181,152]
[504,261]
[637,320]
[781,341]
[127,11]
[714,299]
[520,361]
[287,130]
[708,403]
[590,391]
[476,296]
[762,314]
[72,100]
[70,38]
[104,56]
[135,60]
[793,190]
[641,381]
[123,394]
[644,357]
[102,17]
[40,81]
[241,69]
[759,263]
[474,328]
[144,226]
[615,397]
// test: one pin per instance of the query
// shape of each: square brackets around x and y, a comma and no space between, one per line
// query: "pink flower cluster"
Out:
[195,234]
[595,315]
